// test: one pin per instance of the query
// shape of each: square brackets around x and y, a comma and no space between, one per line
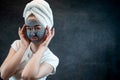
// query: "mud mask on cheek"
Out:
[33,33]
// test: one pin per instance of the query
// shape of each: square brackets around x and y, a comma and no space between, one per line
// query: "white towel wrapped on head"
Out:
[41,10]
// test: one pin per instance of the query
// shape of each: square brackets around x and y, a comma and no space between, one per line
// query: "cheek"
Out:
[28,34]
[40,33]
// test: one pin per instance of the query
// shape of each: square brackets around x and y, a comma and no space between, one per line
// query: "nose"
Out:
[33,32]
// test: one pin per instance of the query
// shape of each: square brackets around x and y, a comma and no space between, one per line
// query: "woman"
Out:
[30,58]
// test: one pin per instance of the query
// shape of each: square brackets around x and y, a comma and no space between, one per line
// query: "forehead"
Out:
[32,16]
[31,21]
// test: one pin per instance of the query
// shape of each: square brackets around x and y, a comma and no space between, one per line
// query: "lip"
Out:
[34,38]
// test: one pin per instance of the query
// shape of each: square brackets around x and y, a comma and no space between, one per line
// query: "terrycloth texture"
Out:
[42,11]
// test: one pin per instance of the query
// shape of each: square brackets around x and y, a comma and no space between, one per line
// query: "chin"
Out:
[36,41]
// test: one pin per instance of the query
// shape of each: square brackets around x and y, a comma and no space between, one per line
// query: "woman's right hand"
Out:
[22,34]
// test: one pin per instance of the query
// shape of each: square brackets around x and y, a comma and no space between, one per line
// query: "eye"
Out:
[37,28]
[28,28]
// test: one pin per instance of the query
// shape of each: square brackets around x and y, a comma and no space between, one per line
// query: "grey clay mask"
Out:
[33,24]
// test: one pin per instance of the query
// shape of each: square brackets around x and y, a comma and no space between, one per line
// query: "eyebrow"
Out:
[36,25]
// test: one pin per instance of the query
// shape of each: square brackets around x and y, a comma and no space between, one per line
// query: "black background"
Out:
[86,39]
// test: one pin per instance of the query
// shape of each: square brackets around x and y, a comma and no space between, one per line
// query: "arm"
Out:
[9,67]
[14,58]
[34,69]
[9,56]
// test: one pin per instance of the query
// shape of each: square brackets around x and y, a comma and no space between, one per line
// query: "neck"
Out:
[34,47]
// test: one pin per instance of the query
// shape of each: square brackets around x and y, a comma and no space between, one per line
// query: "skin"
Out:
[33,70]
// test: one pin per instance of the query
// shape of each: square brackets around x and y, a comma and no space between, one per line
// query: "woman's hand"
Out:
[47,37]
[22,34]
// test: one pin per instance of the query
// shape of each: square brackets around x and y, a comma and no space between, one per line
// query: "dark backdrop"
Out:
[86,39]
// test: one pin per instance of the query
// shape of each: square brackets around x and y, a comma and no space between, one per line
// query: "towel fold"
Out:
[41,10]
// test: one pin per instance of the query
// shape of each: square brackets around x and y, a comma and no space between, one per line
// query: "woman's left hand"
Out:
[47,37]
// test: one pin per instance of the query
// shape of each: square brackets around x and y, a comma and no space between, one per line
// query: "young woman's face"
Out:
[35,31]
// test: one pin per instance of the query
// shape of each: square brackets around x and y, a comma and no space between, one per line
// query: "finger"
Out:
[48,34]
[45,35]
[48,30]
[53,32]
[19,29]
[23,29]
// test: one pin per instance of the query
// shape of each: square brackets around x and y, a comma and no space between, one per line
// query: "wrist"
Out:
[23,48]
[41,49]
